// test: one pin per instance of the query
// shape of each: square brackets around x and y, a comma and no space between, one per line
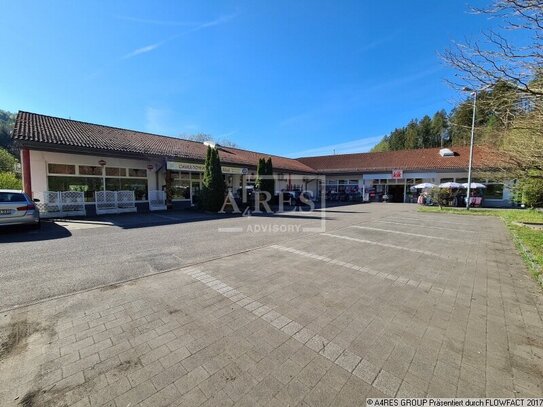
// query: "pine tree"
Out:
[260,173]
[270,182]
[213,187]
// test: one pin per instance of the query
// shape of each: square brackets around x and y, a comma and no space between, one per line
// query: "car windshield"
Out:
[12,197]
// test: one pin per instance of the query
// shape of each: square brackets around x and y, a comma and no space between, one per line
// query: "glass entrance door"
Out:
[195,192]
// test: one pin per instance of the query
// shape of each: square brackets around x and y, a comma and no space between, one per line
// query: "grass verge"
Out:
[529,242]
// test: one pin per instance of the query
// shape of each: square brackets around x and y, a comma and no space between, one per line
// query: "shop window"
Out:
[90,170]
[181,189]
[137,173]
[115,172]
[196,176]
[139,186]
[87,185]
[493,191]
[61,169]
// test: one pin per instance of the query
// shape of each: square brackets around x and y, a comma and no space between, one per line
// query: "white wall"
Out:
[40,159]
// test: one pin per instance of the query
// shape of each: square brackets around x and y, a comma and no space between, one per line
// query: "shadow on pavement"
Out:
[48,231]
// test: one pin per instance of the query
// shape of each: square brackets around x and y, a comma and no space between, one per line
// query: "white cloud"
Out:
[157,22]
[354,146]
[156,120]
[142,50]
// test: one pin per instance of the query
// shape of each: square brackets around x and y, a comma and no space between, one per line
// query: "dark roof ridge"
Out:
[152,134]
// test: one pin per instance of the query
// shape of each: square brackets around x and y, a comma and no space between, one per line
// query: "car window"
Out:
[12,197]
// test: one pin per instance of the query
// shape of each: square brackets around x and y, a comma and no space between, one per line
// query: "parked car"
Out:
[16,208]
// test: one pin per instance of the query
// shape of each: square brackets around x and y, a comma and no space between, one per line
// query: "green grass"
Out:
[529,241]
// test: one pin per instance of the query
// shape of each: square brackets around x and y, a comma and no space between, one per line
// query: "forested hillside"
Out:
[493,109]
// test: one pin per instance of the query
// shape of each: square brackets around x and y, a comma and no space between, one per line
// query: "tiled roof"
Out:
[72,135]
[420,159]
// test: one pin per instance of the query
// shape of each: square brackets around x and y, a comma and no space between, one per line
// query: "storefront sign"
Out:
[193,167]
[397,174]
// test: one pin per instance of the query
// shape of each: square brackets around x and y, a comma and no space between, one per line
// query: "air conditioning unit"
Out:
[445,152]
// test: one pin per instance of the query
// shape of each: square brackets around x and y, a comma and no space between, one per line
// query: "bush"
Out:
[529,191]
[9,180]
[442,196]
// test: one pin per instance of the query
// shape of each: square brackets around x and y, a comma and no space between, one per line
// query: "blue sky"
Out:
[284,77]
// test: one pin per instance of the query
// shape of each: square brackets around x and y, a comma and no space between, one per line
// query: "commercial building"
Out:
[75,166]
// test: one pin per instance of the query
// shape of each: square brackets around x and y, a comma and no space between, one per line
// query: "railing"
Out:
[55,204]
[114,202]
[157,200]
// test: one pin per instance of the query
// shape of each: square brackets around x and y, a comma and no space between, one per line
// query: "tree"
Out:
[7,120]
[213,186]
[412,135]
[509,61]
[9,180]
[439,128]
[502,57]
[260,173]
[7,160]
[270,181]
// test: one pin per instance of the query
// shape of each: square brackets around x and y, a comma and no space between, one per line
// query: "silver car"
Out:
[16,208]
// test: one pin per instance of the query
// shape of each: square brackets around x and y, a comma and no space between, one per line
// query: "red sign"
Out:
[397,174]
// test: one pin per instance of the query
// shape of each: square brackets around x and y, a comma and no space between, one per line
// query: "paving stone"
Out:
[136,394]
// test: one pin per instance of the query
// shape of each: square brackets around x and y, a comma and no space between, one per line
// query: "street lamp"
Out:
[474,93]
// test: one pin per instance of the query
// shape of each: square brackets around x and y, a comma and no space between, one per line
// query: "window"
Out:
[90,170]
[12,197]
[493,191]
[136,172]
[443,180]
[61,169]
[115,172]
[139,186]
[87,185]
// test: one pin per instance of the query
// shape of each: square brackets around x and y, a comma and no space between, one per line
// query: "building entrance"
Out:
[395,193]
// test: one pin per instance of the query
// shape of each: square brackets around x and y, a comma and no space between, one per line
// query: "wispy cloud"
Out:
[158,22]
[142,50]
[201,26]
[154,46]
[378,41]
[354,146]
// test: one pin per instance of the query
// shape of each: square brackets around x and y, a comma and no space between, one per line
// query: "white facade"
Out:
[40,160]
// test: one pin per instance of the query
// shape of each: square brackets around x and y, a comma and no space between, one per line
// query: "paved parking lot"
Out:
[385,302]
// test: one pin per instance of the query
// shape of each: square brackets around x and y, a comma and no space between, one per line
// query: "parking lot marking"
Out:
[407,233]
[432,219]
[391,246]
[425,226]
[399,280]
[335,353]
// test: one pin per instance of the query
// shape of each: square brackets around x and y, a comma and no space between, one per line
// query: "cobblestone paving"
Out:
[375,309]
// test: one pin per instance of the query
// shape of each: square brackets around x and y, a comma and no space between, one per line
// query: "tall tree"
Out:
[270,184]
[509,60]
[213,186]
[412,135]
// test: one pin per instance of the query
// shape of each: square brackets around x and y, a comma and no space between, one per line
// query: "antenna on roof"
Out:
[334,151]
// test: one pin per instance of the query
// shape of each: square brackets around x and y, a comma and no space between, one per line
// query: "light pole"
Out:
[468,195]
[474,93]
